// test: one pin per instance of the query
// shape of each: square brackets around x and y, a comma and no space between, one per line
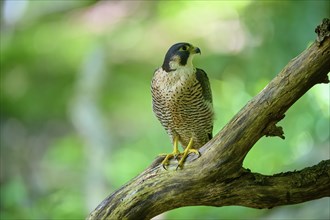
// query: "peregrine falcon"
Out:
[182,101]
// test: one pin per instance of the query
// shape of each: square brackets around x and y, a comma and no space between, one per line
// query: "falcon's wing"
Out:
[205,83]
[207,94]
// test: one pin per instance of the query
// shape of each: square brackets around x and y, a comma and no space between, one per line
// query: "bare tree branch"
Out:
[217,177]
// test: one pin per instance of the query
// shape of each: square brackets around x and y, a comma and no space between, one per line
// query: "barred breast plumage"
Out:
[181,105]
[182,100]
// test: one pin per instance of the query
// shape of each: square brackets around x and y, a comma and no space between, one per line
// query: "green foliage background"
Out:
[76,118]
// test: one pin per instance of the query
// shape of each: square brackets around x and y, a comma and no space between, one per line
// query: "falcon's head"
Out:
[179,55]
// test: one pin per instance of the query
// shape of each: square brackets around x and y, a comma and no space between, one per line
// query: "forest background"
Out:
[76,117]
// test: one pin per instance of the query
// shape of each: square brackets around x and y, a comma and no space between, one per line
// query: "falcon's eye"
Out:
[184,48]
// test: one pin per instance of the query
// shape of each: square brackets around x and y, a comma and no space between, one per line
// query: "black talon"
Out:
[199,154]
[164,166]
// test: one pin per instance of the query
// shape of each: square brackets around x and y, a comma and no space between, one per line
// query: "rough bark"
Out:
[217,178]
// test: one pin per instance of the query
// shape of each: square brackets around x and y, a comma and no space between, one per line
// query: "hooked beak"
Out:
[195,50]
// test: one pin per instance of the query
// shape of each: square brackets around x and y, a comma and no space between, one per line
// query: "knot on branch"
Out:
[323,30]
[272,130]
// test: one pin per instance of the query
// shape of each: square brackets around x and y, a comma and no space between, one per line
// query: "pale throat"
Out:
[179,75]
[187,69]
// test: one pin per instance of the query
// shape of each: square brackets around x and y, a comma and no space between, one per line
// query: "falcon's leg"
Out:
[174,154]
[187,151]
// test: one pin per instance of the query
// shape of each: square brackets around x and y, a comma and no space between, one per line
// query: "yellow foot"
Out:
[174,154]
[166,161]
[187,151]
